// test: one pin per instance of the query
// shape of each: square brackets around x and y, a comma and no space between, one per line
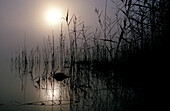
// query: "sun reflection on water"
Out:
[54,93]
[51,93]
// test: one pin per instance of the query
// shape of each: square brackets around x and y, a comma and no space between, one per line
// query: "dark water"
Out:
[90,86]
[85,90]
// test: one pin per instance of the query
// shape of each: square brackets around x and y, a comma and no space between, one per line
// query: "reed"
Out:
[101,64]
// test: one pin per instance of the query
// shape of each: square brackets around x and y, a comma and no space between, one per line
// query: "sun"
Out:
[53,16]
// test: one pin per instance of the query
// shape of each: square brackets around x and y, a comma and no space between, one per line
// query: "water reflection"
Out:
[51,94]
[90,84]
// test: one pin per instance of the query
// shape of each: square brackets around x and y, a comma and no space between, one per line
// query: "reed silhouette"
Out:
[109,69]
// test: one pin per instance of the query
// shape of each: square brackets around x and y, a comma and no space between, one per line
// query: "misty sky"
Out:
[26,17]
[20,18]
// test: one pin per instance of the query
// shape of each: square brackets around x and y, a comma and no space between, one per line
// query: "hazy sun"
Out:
[53,16]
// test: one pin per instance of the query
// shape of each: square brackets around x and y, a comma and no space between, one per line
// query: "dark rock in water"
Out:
[1,104]
[60,76]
